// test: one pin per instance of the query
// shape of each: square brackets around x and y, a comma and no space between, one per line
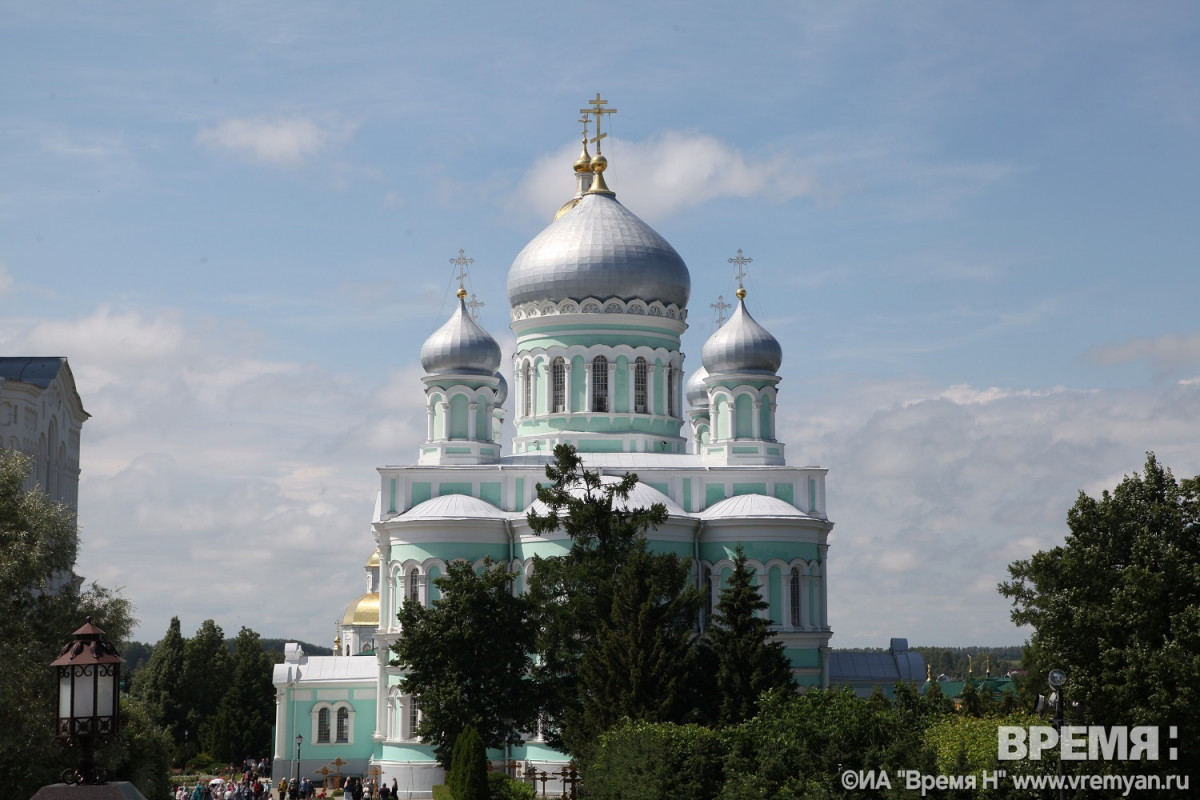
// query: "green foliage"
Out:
[502,787]
[142,754]
[1117,606]
[207,673]
[748,660]
[41,603]
[159,684]
[468,779]
[640,663]
[249,703]
[467,657]
[655,761]
[574,594]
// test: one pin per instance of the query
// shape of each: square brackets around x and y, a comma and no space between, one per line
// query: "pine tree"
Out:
[748,659]
[640,663]
[206,677]
[247,709]
[468,771]
[160,683]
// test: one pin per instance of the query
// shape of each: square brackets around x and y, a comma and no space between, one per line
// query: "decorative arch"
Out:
[332,723]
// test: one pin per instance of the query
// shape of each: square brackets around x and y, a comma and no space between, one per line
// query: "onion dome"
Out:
[460,346]
[363,611]
[501,390]
[741,345]
[373,561]
[599,249]
[695,390]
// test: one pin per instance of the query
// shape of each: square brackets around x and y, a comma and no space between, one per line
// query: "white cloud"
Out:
[1164,352]
[283,142]
[935,490]
[671,172]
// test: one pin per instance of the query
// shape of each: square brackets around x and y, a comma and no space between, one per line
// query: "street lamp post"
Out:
[299,741]
[89,715]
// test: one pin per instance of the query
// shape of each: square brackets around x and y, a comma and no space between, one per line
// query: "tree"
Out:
[467,658]
[469,770]
[42,602]
[242,726]
[206,677]
[573,594]
[639,665]
[160,683]
[748,659]
[1117,606]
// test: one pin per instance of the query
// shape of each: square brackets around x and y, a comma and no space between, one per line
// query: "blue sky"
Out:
[973,229]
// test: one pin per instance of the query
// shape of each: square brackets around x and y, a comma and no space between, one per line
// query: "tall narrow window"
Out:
[323,725]
[414,585]
[343,725]
[670,391]
[414,717]
[527,390]
[639,385]
[794,596]
[600,384]
[558,384]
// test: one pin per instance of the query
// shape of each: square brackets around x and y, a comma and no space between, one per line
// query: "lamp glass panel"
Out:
[85,691]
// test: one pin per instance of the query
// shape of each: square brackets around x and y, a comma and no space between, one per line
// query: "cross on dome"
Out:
[596,109]
[721,307]
[741,262]
[474,305]
[462,262]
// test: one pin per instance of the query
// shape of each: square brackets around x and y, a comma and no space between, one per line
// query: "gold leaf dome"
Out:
[363,611]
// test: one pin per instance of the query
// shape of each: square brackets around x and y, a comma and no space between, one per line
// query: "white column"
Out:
[611,389]
[587,386]
[651,388]
[472,418]
[429,422]
[755,423]
[632,368]
[567,393]
[445,421]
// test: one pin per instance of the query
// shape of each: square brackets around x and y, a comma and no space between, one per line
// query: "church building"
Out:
[598,303]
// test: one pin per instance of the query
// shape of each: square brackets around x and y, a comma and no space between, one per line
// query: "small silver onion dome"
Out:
[501,390]
[598,249]
[460,346]
[695,390]
[741,345]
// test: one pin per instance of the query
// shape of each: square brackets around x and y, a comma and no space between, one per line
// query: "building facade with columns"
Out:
[598,303]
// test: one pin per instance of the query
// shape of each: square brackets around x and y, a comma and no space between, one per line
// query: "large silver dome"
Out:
[741,345]
[598,249]
[695,390]
[460,346]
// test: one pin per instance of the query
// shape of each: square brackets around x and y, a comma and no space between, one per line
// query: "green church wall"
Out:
[458,416]
[490,492]
[453,488]
[761,552]
[600,446]
[804,656]
[448,551]
[662,487]
[786,492]
[713,493]
[578,384]
[621,386]
[775,595]
[743,411]
[519,494]
[421,491]
[687,495]
[749,488]
[433,592]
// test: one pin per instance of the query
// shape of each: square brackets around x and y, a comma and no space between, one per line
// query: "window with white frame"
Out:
[639,385]
[343,724]
[600,384]
[558,384]
[526,390]
[323,726]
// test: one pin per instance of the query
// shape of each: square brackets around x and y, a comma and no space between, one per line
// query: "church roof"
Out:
[363,611]
[695,391]
[642,496]
[741,345]
[327,669]
[460,346]
[453,506]
[598,249]
[752,505]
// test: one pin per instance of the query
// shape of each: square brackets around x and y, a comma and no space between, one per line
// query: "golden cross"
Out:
[741,262]
[461,262]
[584,119]
[721,306]
[596,109]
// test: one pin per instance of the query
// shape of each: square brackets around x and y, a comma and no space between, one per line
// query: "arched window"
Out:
[639,385]
[794,597]
[414,717]
[323,726]
[527,390]
[343,724]
[558,384]
[414,585]
[600,384]
[670,391]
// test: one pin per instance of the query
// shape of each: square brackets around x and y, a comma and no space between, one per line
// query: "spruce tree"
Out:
[249,704]
[160,683]
[206,676]
[468,771]
[748,659]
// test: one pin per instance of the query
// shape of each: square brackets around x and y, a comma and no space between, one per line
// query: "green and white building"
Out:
[598,302]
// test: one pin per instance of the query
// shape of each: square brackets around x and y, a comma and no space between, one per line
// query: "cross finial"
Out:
[596,109]
[721,307]
[462,262]
[741,262]
[584,119]
[474,305]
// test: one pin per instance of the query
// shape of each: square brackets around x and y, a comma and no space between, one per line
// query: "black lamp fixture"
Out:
[89,713]
[299,741]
